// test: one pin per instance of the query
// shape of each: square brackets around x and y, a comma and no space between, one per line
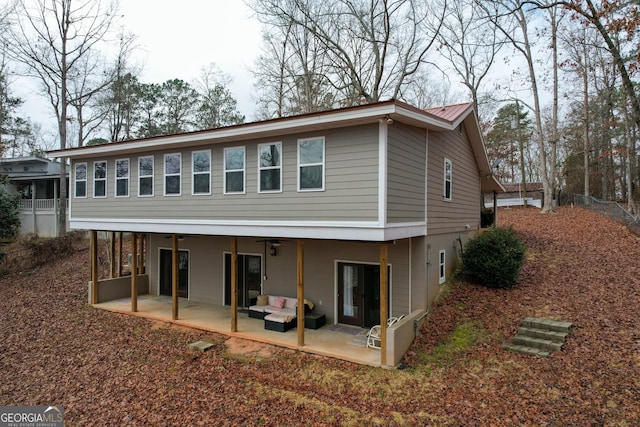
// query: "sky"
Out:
[178,38]
[175,40]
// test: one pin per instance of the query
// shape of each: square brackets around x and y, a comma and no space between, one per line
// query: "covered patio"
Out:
[338,341]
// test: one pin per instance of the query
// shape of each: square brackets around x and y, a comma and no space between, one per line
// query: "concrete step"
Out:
[543,334]
[539,343]
[525,350]
[538,337]
[545,324]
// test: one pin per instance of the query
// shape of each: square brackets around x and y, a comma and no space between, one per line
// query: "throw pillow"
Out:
[262,300]
[279,303]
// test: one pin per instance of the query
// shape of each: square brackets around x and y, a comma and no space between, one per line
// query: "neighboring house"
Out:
[513,195]
[37,180]
[310,205]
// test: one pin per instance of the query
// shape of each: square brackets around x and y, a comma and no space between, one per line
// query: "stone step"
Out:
[545,324]
[542,333]
[525,350]
[538,343]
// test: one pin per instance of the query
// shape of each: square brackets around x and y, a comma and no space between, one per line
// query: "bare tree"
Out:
[52,40]
[372,47]
[469,44]
[216,105]
[505,15]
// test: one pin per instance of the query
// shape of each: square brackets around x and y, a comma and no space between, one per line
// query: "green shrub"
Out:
[494,258]
[9,215]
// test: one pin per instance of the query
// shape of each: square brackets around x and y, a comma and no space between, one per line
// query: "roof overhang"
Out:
[370,113]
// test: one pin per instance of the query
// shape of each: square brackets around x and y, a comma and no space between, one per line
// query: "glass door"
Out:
[249,279]
[166,259]
[359,294]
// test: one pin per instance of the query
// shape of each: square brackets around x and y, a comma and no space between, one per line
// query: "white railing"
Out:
[40,204]
[518,201]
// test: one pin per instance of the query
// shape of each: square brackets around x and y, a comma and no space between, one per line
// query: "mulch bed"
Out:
[113,369]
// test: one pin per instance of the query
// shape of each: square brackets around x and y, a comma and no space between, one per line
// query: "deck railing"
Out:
[40,204]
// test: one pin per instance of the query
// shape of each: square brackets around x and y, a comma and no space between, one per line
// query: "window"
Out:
[270,167]
[201,172]
[441,267]
[81,180]
[122,178]
[447,179]
[311,164]
[172,174]
[100,179]
[234,170]
[145,176]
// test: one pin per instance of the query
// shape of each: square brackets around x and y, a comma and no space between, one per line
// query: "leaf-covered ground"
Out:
[112,369]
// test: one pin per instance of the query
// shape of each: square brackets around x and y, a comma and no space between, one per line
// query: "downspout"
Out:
[417,320]
[33,207]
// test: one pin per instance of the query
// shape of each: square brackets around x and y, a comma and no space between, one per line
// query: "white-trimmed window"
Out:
[311,164]
[81,180]
[447,179]
[234,161]
[145,176]
[100,179]
[201,161]
[442,271]
[173,174]
[122,178]
[270,167]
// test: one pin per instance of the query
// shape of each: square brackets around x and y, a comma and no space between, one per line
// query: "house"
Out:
[360,210]
[37,180]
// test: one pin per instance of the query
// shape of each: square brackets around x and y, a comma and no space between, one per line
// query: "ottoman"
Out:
[279,322]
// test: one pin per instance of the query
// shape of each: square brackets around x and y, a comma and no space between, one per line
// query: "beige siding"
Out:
[464,208]
[406,174]
[351,185]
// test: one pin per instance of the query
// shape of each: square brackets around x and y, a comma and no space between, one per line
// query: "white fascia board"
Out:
[363,231]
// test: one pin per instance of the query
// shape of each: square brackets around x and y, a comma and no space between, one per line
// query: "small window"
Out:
[270,167]
[441,267]
[122,178]
[81,180]
[234,159]
[172,174]
[100,179]
[311,164]
[145,176]
[201,172]
[447,179]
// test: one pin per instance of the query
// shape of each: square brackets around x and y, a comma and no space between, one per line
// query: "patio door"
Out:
[359,294]
[249,279]
[165,272]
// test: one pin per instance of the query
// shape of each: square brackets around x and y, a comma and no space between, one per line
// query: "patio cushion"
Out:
[262,300]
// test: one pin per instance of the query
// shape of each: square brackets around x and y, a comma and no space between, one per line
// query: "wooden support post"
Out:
[384,303]
[119,264]
[234,284]
[495,209]
[112,254]
[134,272]
[174,277]
[300,281]
[93,250]
[142,264]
